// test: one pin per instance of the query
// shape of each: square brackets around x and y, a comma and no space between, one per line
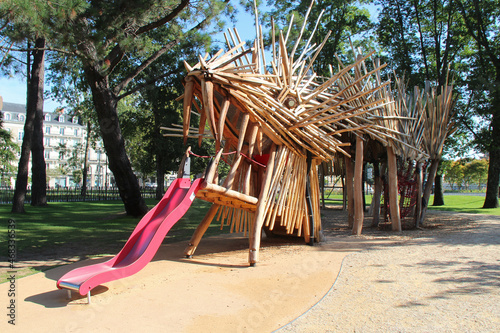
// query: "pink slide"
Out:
[142,244]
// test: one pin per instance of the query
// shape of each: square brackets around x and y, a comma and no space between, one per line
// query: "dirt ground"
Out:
[441,278]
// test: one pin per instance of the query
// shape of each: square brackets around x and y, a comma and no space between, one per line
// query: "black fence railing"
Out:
[66,194]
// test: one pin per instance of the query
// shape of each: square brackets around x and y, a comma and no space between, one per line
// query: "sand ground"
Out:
[443,278]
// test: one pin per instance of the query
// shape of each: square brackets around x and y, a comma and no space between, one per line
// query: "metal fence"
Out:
[66,194]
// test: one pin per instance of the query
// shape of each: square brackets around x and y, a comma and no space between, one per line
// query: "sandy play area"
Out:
[443,278]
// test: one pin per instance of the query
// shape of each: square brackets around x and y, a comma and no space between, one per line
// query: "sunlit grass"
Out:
[465,204]
[95,223]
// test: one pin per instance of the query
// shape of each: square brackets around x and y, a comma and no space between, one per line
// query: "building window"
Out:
[61,119]
[76,132]
[21,117]
[47,142]
[47,129]
[62,141]
[6,116]
[75,120]
[47,117]
[47,154]
[21,135]
[61,131]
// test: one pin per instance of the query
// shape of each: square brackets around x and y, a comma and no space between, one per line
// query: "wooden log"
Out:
[349,189]
[180,172]
[392,175]
[224,192]
[255,233]
[210,176]
[207,88]
[377,193]
[188,101]
[359,213]
[418,204]
[200,231]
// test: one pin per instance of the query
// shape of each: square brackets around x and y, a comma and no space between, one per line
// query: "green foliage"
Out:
[8,156]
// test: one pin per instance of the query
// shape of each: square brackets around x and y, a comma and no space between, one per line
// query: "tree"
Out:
[430,40]
[481,20]
[454,174]
[8,154]
[476,172]
[15,28]
[113,43]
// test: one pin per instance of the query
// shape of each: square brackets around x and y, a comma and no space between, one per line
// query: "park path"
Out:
[442,282]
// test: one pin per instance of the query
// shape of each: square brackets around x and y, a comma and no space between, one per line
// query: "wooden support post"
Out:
[349,189]
[392,174]
[377,192]
[418,204]
[200,231]
[359,213]
[255,233]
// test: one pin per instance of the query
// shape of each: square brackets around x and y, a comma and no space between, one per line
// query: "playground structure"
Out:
[274,124]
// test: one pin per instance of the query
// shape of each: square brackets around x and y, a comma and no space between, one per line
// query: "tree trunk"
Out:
[86,163]
[392,177]
[428,188]
[22,169]
[106,107]
[438,190]
[492,185]
[359,213]
[35,102]
[377,192]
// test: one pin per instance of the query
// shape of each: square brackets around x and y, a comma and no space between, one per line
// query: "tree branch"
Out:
[163,20]
[143,66]
[147,83]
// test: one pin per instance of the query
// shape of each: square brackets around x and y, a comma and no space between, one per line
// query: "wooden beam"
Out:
[255,233]
[359,213]
[392,172]
[349,189]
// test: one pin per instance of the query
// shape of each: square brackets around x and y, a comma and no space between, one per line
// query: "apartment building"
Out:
[63,134]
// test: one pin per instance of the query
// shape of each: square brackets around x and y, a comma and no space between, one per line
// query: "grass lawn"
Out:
[456,203]
[465,204]
[93,225]
[101,228]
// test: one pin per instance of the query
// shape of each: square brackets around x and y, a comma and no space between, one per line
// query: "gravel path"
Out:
[442,280]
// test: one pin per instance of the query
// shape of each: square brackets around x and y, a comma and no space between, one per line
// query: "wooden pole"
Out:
[392,172]
[255,233]
[377,192]
[200,231]
[359,213]
[349,189]
[418,204]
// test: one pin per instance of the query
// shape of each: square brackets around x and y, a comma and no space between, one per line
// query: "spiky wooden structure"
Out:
[281,120]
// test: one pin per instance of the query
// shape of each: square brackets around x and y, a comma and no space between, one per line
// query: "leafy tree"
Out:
[8,154]
[422,40]
[15,27]
[454,174]
[114,42]
[476,172]
[481,20]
